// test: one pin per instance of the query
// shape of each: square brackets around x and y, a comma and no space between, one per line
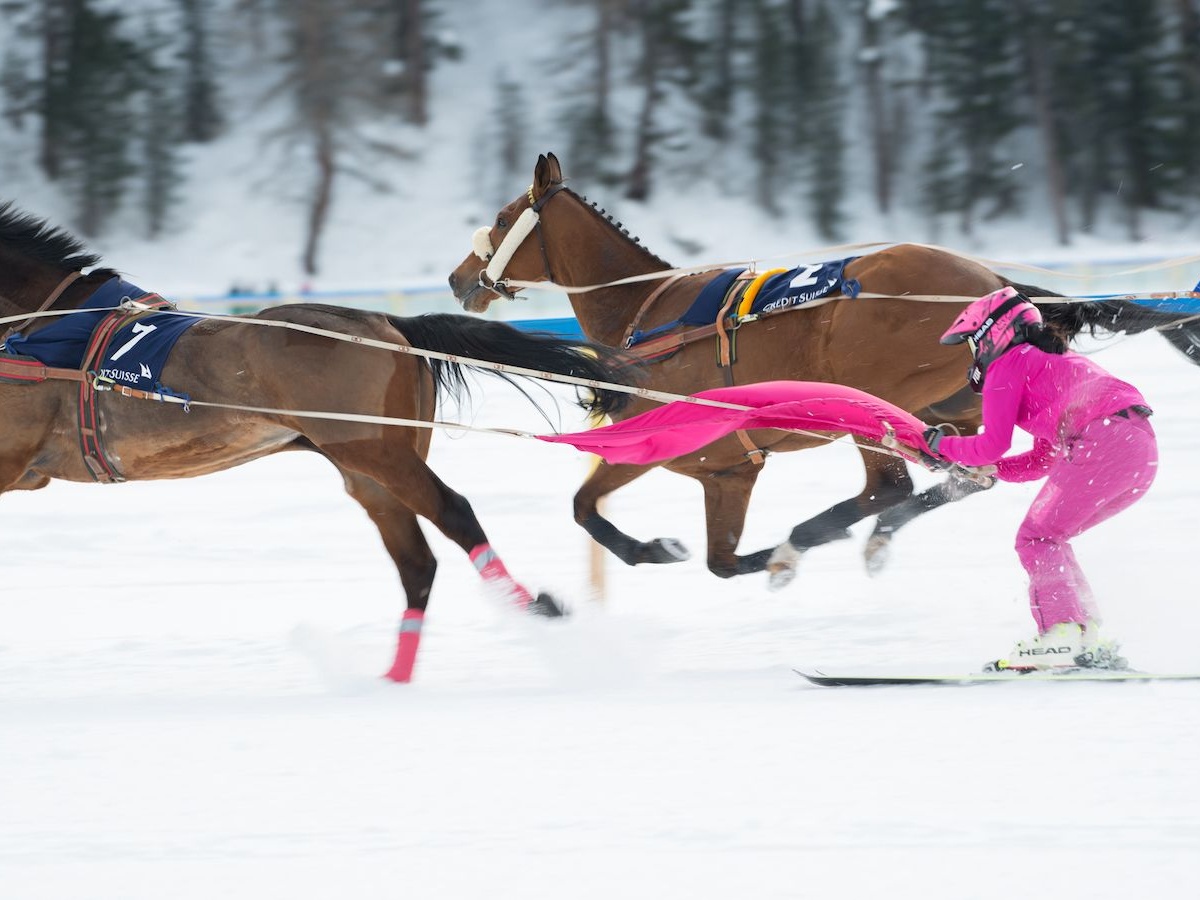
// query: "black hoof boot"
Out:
[663,550]
[546,605]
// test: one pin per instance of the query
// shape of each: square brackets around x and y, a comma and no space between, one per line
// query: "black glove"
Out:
[933,436]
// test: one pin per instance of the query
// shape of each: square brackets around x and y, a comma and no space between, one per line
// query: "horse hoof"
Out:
[876,553]
[780,578]
[781,566]
[546,605]
[664,550]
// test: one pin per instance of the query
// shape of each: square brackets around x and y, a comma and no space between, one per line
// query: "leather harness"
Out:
[740,296]
[26,370]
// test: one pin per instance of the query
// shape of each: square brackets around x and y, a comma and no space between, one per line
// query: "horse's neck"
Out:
[605,313]
[24,285]
[16,299]
[27,287]
[8,307]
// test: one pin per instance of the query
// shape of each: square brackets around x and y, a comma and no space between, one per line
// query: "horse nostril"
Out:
[453,283]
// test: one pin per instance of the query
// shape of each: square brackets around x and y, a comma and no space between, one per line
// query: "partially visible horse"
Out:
[253,379]
[881,343]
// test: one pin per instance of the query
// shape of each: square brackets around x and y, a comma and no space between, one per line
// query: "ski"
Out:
[865,678]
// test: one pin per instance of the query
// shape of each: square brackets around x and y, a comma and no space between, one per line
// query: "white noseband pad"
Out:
[525,223]
[481,243]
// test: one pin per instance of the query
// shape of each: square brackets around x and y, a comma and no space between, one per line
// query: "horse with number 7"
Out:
[83,352]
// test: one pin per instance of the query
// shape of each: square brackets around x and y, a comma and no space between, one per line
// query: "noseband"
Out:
[497,259]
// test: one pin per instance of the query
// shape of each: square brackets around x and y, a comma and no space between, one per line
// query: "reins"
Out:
[497,260]
[753,264]
[103,385]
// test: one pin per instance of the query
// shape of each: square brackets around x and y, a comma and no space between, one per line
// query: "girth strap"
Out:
[727,356]
[91,441]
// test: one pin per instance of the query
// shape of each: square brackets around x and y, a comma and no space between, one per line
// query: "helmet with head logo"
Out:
[991,325]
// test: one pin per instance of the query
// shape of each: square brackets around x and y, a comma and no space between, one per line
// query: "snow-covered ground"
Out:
[190,704]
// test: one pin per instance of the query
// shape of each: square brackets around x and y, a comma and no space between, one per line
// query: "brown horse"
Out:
[881,343]
[253,385]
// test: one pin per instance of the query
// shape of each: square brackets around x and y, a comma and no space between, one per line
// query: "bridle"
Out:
[498,258]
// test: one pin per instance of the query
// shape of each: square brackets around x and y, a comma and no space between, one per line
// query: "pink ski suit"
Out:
[1092,442]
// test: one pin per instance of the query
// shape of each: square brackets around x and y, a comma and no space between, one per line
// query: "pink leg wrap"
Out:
[406,646]
[490,567]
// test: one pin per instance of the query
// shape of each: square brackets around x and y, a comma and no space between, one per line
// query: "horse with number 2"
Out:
[84,352]
[870,322]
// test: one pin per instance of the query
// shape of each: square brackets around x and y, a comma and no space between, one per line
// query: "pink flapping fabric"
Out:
[679,428]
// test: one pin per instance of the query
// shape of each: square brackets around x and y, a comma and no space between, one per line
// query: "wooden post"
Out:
[597,573]
[597,569]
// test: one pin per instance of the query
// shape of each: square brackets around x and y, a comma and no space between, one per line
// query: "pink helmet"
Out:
[991,325]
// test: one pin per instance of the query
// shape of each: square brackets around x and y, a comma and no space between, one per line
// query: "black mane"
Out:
[33,237]
[603,215]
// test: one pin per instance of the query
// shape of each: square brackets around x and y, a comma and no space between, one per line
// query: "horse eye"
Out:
[501,222]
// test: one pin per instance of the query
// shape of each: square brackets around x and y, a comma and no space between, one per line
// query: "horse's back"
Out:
[318,343]
[914,269]
[886,340]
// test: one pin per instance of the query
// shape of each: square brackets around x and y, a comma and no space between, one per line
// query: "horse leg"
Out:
[407,477]
[16,476]
[954,488]
[961,409]
[887,484]
[30,481]
[603,481]
[726,500]
[414,560]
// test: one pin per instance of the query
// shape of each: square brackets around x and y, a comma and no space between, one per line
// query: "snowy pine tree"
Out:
[160,131]
[201,108]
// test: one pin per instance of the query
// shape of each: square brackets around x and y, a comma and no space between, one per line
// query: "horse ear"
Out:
[547,172]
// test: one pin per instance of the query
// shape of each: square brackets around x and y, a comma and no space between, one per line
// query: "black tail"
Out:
[474,338]
[1181,330]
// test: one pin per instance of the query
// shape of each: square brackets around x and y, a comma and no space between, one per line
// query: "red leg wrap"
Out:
[493,571]
[406,646]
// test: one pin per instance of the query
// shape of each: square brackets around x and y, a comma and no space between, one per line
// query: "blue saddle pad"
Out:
[804,284]
[134,357]
[707,304]
[791,288]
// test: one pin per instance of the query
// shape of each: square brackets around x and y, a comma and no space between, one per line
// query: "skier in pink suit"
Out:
[1092,443]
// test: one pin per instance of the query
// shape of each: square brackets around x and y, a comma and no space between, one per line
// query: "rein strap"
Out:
[46,304]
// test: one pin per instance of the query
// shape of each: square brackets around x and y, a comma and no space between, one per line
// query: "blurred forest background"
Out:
[924,103]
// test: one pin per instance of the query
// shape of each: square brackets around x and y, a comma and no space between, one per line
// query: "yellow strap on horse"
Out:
[752,291]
